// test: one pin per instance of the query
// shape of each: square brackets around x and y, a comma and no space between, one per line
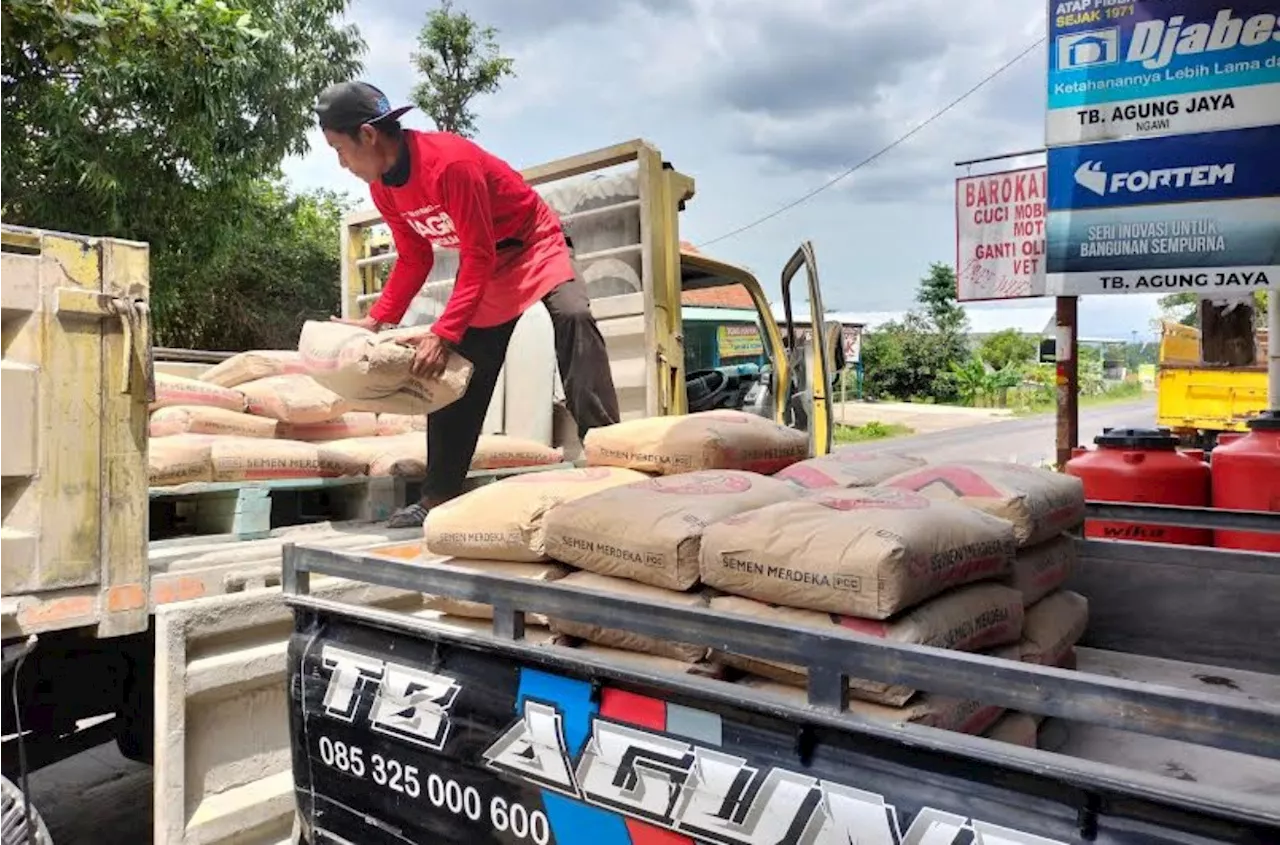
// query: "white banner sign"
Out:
[1000,243]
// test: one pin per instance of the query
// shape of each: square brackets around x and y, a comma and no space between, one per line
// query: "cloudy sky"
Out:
[761,102]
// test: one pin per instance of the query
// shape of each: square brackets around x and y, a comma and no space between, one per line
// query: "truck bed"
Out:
[1185,761]
[1166,733]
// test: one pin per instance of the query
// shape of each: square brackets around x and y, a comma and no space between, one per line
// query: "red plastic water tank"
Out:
[1246,476]
[1143,466]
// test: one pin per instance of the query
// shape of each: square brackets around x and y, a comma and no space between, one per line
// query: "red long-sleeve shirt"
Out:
[459,196]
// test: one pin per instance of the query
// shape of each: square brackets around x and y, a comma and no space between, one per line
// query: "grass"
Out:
[845,434]
[1115,396]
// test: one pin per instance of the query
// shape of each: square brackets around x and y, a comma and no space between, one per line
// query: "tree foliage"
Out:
[164,121]
[937,297]
[913,358]
[283,270]
[457,60]
[1006,347]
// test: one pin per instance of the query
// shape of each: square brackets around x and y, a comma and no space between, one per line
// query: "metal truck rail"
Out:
[926,774]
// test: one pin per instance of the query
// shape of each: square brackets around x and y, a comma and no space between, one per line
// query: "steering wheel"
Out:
[706,389]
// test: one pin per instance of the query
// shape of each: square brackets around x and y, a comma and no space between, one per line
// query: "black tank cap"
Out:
[1154,439]
[1266,421]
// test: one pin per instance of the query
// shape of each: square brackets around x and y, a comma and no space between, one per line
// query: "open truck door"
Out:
[812,355]
[794,386]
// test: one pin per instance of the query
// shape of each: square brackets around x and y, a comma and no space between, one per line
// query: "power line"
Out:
[948,107]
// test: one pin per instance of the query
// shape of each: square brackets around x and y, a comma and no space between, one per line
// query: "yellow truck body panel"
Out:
[1194,396]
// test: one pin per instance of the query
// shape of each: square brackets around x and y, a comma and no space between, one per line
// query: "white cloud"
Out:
[761,102]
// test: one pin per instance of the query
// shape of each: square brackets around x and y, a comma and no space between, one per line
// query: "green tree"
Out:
[458,60]
[937,296]
[909,360]
[1008,346]
[163,121]
[970,379]
[913,358]
[283,270]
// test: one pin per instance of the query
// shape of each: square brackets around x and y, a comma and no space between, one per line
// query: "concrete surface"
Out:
[922,419]
[1026,440]
[99,798]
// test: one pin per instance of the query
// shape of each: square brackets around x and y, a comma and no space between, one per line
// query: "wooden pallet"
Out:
[249,510]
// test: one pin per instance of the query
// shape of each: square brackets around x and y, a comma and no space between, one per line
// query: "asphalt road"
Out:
[99,798]
[1025,440]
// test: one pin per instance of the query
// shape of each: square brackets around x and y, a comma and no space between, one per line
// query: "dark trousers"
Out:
[453,431]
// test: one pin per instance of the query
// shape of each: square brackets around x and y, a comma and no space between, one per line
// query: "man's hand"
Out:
[363,322]
[430,356]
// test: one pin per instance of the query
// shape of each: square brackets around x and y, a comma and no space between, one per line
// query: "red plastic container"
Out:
[1246,476]
[1143,466]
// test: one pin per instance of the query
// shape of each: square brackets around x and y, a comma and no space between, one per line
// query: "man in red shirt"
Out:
[436,189]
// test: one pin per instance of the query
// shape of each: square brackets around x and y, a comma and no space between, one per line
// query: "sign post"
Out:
[1067,378]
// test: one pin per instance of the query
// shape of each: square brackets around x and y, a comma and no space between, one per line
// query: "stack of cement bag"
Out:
[880,562]
[631,520]
[721,510]
[274,414]
[1041,505]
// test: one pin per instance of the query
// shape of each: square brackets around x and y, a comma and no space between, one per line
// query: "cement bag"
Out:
[1041,569]
[849,468]
[390,425]
[720,439]
[293,399]
[179,459]
[499,451]
[1015,729]
[399,455]
[176,390]
[257,459]
[864,551]
[251,366]
[504,520]
[540,572]
[352,424]
[1053,626]
[407,462]
[965,619]
[1040,503]
[627,640]
[372,370]
[203,419]
[651,531]
[935,711]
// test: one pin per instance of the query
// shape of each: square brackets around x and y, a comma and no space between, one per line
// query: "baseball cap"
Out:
[346,105]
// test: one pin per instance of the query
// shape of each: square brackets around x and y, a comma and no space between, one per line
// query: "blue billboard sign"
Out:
[1189,213]
[1187,168]
[1142,68]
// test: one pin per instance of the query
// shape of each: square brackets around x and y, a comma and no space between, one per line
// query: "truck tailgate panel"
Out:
[410,738]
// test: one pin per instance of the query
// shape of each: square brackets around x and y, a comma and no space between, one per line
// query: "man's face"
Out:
[358,155]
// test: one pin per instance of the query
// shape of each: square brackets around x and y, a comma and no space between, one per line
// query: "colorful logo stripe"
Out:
[576,823]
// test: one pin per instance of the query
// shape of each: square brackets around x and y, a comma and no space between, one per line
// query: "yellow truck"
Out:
[176,649]
[1199,401]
